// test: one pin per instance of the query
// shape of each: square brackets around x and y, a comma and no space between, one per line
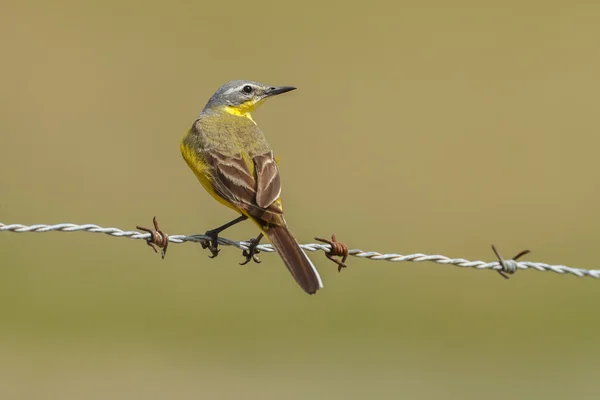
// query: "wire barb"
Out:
[158,239]
[508,266]
[336,249]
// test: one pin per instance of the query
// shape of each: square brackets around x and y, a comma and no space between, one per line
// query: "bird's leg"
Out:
[251,253]
[212,243]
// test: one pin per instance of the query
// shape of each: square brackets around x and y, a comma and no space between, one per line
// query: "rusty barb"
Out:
[508,266]
[158,239]
[338,249]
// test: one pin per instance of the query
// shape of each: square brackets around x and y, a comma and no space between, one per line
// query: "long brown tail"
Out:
[296,261]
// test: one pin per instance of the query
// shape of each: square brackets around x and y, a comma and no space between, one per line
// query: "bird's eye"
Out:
[247,89]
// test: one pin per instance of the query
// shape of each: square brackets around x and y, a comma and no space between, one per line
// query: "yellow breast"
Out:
[203,173]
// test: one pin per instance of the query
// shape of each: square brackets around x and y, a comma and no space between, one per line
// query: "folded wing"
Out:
[254,189]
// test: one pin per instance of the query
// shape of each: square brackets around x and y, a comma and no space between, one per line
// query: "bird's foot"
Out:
[212,243]
[252,253]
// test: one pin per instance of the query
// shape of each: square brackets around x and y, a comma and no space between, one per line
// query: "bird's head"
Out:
[242,97]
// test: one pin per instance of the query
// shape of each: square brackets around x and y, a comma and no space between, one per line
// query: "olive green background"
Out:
[435,127]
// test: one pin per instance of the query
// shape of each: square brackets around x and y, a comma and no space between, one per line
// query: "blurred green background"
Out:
[435,127]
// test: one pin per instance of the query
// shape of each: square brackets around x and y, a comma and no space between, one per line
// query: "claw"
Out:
[211,244]
[252,253]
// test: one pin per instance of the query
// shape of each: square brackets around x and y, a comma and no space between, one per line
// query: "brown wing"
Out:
[254,193]
[268,184]
[231,178]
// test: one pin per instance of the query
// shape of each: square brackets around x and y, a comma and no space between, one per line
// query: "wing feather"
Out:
[257,193]
[268,186]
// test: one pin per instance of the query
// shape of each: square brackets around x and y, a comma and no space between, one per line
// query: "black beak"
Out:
[274,91]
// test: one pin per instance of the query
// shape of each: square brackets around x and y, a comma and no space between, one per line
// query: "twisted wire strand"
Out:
[312,247]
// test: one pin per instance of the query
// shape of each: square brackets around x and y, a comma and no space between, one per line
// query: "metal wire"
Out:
[370,255]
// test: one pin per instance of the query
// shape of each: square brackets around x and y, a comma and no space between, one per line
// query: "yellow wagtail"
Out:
[234,163]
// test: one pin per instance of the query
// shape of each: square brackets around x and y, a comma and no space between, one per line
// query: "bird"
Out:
[233,161]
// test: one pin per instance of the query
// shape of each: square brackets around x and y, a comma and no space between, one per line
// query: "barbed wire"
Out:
[506,266]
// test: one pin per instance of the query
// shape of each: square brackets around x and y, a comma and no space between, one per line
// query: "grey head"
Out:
[243,95]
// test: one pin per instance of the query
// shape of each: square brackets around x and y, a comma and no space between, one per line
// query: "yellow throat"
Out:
[244,109]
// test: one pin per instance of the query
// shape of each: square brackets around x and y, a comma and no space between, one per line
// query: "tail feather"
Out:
[296,261]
